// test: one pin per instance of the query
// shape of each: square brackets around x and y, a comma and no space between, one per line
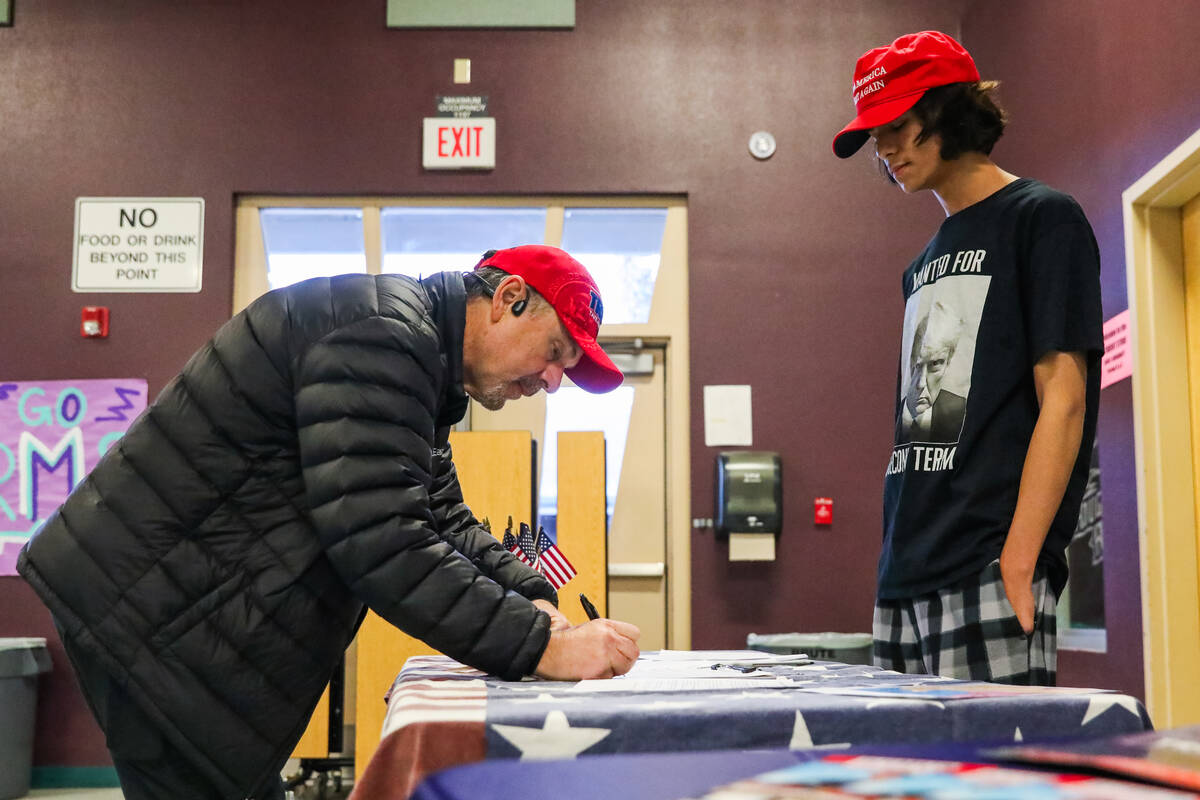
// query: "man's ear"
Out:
[509,291]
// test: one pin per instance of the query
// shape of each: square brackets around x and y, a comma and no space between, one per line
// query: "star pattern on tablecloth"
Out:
[545,697]
[802,739]
[554,740]
[1099,703]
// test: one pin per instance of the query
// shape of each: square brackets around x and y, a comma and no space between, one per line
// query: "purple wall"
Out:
[795,261]
[1098,93]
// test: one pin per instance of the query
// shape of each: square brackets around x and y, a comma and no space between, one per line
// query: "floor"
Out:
[302,793]
[320,786]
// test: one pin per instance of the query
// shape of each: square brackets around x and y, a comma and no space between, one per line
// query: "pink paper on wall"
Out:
[51,434]
[1117,363]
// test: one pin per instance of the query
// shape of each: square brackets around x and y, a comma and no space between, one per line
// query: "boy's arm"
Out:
[1061,382]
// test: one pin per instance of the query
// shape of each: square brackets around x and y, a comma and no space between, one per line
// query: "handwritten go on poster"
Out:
[51,435]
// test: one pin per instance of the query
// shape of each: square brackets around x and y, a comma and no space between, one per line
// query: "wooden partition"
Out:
[582,521]
[495,469]
[315,741]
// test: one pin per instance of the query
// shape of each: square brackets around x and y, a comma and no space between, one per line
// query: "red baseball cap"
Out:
[568,287]
[888,81]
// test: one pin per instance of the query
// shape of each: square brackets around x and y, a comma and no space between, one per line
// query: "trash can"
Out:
[848,648]
[21,661]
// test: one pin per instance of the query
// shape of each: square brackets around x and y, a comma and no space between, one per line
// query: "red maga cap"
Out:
[568,287]
[888,81]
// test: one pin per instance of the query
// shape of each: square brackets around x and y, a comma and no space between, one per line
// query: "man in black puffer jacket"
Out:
[208,574]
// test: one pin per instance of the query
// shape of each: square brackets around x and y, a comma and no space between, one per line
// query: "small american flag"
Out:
[528,544]
[510,544]
[551,562]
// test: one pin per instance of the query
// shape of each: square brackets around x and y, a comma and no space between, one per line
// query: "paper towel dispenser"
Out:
[749,493]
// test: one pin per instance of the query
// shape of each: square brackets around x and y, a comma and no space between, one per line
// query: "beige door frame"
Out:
[670,325]
[1163,434]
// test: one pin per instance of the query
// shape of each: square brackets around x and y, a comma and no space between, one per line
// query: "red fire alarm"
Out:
[823,511]
[94,322]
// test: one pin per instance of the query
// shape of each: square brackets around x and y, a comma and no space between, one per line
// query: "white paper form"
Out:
[682,670]
[722,657]
[623,684]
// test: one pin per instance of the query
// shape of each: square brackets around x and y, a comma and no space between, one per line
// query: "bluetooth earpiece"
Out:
[518,308]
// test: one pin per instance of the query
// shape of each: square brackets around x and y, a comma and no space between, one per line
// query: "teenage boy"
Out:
[1002,310]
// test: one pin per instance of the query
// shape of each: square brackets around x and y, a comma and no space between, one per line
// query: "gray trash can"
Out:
[848,648]
[21,661]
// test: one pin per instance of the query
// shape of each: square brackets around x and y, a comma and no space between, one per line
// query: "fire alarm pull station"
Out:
[823,511]
[94,322]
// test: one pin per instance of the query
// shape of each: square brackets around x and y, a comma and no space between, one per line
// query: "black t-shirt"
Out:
[1004,281]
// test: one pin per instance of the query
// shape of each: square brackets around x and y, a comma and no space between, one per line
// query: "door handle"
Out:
[637,569]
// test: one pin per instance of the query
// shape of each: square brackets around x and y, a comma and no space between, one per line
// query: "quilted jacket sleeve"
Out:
[459,527]
[366,404]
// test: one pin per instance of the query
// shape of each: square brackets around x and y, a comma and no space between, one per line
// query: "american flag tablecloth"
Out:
[441,713]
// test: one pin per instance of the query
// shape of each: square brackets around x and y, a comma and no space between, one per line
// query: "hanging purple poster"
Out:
[51,434]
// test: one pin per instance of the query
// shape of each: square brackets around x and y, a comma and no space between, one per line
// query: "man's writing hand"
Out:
[601,648]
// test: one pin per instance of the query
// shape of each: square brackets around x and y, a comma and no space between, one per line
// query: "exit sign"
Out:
[459,143]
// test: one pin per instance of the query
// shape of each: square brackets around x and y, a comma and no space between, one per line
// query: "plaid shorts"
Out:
[969,631]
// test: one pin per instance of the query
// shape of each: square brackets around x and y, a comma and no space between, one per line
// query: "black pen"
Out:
[588,608]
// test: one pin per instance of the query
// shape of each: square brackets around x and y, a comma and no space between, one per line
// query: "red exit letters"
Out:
[458,141]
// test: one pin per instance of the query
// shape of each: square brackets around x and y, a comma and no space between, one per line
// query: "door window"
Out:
[304,243]
[422,241]
[573,409]
[621,248]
